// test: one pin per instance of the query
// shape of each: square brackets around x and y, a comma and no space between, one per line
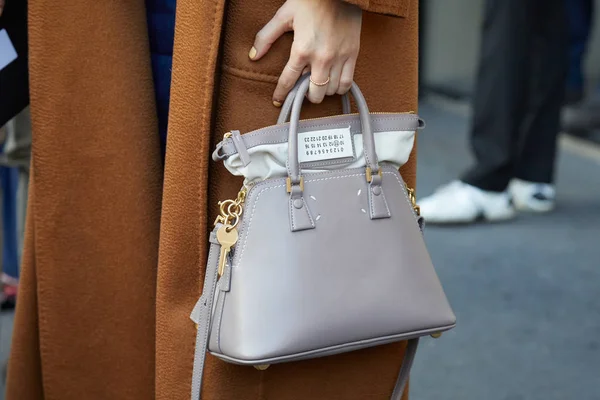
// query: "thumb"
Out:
[272,31]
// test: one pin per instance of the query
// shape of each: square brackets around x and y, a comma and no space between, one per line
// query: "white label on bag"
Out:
[8,53]
[330,144]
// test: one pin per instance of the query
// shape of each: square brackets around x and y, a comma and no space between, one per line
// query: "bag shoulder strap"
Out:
[201,315]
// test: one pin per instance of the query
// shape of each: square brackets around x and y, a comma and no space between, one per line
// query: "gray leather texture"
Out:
[202,318]
[240,147]
[299,212]
[350,282]
[378,206]
[325,263]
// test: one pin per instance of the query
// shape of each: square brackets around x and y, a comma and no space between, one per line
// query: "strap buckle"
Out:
[288,184]
[369,174]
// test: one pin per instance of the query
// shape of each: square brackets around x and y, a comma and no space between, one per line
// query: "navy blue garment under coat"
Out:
[161,31]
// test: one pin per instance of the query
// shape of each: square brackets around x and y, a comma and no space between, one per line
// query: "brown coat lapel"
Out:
[84,327]
[184,221]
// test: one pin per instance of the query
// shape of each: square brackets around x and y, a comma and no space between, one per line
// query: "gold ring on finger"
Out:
[319,84]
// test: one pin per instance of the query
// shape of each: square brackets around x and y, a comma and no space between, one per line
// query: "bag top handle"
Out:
[286,108]
[293,165]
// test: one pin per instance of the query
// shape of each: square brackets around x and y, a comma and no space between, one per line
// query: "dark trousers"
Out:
[519,92]
[9,182]
[579,13]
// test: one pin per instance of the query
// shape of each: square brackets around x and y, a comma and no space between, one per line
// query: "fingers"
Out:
[347,76]
[295,67]
[287,79]
[325,79]
[277,26]
[318,85]
[319,76]
[326,43]
[334,78]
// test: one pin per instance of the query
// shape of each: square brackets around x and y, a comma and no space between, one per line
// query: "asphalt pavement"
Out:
[526,293]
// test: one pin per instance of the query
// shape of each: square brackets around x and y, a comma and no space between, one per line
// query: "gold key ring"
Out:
[319,84]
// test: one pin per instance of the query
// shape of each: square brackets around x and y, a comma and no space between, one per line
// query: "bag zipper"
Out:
[353,114]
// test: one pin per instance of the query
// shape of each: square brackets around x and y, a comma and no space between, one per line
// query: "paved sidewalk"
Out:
[526,293]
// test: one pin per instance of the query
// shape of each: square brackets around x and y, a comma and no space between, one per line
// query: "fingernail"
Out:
[252,53]
[276,103]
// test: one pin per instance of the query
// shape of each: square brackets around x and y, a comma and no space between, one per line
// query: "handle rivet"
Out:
[376,190]
[298,203]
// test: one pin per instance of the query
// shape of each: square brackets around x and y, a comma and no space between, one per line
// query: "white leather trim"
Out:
[269,160]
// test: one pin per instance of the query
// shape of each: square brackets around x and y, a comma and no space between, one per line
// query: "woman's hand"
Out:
[326,43]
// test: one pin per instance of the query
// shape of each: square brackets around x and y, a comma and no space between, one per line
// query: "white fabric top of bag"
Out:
[269,160]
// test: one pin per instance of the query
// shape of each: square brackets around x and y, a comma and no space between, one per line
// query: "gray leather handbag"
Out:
[322,255]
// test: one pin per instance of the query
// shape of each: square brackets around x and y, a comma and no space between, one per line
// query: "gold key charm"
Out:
[227,236]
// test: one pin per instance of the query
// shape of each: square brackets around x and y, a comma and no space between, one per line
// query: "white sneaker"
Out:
[458,202]
[531,196]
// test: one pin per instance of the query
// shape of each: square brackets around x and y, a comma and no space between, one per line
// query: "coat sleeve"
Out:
[398,8]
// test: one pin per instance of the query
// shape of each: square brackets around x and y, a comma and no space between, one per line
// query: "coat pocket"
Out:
[397,8]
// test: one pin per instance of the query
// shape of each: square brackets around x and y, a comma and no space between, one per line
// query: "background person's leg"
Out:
[501,92]
[9,179]
[499,108]
[580,118]
[579,14]
[17,153]
[540,131]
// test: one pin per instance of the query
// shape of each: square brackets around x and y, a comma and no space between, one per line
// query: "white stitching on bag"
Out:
[330,178]
[291,215]
[312,222]
[389,214]
[220,315]
[384,200]
[370,200]
[245,232]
